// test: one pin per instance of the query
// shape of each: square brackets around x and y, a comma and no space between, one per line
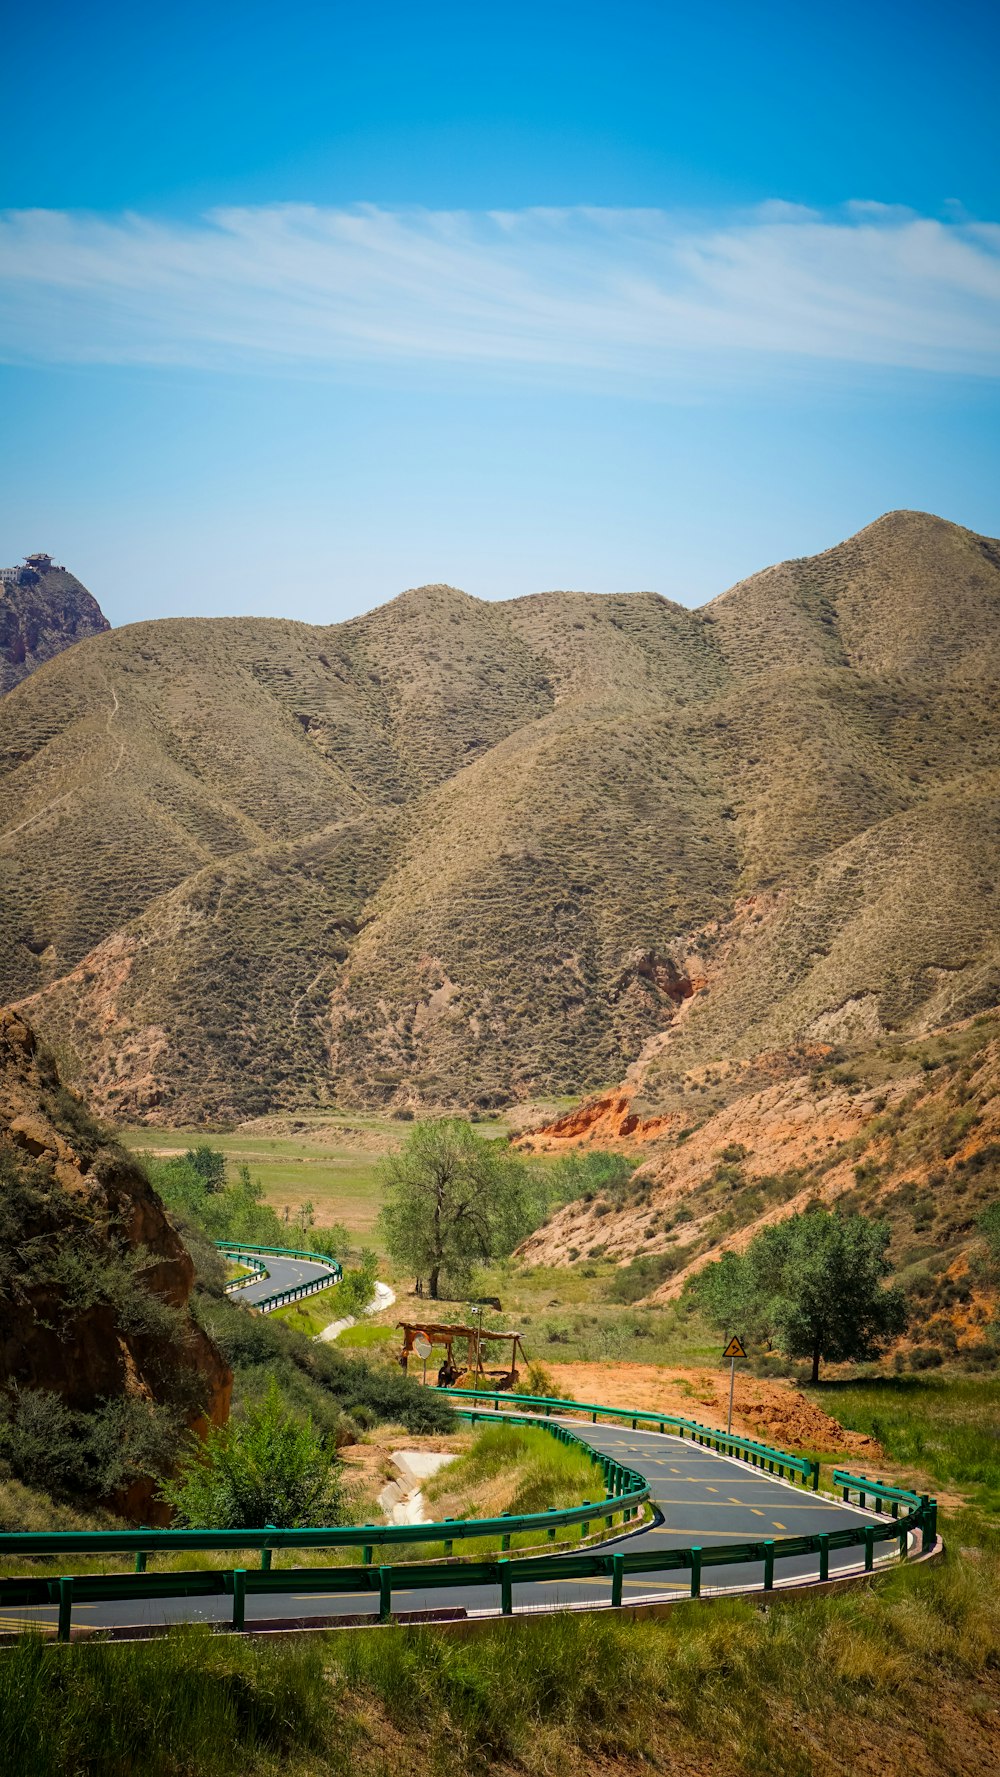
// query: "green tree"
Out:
[814,1285]
[452,1198]
[209,1164]
[265,1467]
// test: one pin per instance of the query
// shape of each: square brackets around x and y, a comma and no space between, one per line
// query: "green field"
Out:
[329,1160]
[333,1166]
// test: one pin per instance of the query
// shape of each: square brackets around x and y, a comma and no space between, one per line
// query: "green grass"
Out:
[313,1313]
[897,1679]
[565,1316]
[339,1178]
[945,1427]
[365,1336]
[195,1703]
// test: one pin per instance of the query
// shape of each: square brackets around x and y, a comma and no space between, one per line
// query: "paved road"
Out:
[701,1498]
[283,1274]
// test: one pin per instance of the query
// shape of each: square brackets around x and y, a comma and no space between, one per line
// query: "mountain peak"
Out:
[43,609]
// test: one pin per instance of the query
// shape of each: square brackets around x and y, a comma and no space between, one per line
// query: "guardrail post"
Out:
[585,1526]
[265,1554]
[869,1547]
[824,1554]
[551,1533]
[505,1541]
[366,1554]
[815,1477]
[695,1554]
[140,1557]
[617,1576]
[65,1606]
[904,1544]
[239,1599]
[769,1565]
[506,1602]
[384,1594]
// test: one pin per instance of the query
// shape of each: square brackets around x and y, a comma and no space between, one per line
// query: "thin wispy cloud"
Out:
[634,294]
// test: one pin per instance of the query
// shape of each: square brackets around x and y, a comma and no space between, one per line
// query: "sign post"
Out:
[733,1350]
[422,1347]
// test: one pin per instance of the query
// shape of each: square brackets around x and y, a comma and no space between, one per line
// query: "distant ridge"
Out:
[456,852]
[43,609]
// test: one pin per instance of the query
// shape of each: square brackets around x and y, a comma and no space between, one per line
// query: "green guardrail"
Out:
[885,1497]
[763,1456]
[616,1565]
[238,1249]
[626,1488]
[258,1270]
[626,1491]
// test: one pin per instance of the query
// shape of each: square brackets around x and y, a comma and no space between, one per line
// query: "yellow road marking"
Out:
[778,1526]
[756,1513]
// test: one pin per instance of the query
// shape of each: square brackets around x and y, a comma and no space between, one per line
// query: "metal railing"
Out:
[254,1255]
[627,1490]
[762,1456]
[258,1269]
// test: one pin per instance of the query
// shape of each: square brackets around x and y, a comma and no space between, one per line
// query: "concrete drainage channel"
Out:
[383,1298]
[402,1500]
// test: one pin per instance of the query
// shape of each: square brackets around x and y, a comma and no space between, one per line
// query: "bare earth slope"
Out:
[460,853]
[906,1131]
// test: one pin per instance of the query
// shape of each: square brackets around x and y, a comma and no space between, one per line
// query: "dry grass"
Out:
[451,852]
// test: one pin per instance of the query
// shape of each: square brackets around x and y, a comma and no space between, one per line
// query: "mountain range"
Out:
[458,853]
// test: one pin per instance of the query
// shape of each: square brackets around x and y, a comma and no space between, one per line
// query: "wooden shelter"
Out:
[471,1373]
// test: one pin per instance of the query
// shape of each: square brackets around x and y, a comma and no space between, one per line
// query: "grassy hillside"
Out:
[461,853]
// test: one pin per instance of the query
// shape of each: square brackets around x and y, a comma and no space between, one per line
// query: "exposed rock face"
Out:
[84,1204]
[906,1133]
[42,611]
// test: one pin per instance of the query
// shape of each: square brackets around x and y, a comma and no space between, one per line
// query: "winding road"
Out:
[283,1274]
[699,1497]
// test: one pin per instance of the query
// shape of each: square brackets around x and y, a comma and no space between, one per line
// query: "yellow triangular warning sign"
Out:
[734,1349]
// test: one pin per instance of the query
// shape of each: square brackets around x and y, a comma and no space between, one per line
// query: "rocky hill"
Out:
[43,609]
[101,1363]
[465,853]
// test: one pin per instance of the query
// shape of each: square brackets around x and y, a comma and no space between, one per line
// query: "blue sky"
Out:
[302,305]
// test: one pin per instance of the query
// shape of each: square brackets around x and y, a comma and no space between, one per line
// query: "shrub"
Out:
[264,1467]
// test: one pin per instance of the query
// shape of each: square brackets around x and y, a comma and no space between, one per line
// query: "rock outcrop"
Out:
[94,1280]
[43,609]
